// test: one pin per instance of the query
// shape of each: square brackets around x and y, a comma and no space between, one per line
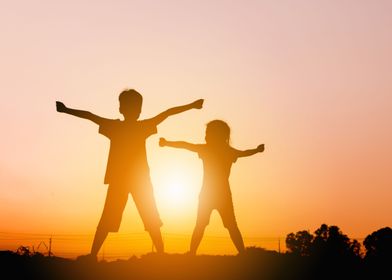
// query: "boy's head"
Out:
[217,132]
[130,104]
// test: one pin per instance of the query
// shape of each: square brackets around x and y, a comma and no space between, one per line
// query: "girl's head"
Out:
[217,132]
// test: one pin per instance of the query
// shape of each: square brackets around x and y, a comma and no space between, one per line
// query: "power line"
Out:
[119,235]
[82,239]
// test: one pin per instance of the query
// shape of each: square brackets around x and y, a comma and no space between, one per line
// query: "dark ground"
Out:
[256,263]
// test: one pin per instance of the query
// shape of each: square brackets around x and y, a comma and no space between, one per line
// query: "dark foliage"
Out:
[333,255]
[328,242]
[300,243]
[379,244]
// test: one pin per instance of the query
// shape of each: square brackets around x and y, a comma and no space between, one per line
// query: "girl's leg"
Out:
[203,217]
[99,238]
[197,236]
[228,217]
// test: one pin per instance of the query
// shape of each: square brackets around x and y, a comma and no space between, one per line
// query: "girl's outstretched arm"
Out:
[251,152]
[179,144]
[60,107]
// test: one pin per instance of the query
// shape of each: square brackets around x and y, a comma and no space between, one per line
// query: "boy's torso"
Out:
[127,161]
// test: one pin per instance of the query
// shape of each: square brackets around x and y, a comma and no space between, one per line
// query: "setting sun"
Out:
[176,191]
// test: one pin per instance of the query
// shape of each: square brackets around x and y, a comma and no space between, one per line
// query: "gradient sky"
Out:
[310,79]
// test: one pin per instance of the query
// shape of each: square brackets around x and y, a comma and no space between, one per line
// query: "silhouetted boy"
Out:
[127,168]
[218,157]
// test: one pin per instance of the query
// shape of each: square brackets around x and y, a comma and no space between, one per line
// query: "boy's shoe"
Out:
[87,258]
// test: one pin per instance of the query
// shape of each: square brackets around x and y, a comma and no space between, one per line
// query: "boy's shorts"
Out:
[115,202]
[223,204]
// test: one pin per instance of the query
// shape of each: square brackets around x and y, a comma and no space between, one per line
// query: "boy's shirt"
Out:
[127,161]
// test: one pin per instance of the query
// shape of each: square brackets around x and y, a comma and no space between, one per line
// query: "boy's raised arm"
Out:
[198,104]
[247,153]
[179,144]
[60,107]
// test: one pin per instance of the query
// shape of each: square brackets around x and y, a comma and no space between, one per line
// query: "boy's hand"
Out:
[198,104]
[260,148]
[60,107]
[162,142]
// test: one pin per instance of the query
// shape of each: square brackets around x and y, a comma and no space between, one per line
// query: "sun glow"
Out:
[176,188]
[176,192]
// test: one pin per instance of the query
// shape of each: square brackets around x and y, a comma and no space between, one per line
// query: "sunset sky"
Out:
[312,80]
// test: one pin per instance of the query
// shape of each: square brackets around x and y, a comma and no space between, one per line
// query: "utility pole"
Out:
[50,247]
[279,245]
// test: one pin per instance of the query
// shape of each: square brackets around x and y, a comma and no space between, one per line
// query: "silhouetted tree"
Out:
[328,241]
[379,244]
[355,247]
[300,243]
[331,242]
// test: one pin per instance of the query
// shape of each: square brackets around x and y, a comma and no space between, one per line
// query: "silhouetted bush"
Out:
[23,251]
[379,244]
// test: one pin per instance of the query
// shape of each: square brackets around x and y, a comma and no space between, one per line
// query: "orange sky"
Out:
[310,79]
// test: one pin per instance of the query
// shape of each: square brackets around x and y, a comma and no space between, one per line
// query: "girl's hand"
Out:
[162,142]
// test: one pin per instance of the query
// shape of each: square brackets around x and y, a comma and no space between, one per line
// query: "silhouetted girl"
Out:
[217,156]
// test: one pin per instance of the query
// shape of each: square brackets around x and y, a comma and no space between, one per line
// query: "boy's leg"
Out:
[116,199]
[156,238]
[145,203]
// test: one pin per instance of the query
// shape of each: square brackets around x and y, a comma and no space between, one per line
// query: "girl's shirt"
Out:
[217,162]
